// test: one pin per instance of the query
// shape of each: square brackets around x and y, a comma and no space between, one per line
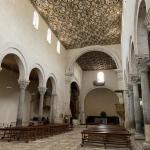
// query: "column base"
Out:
[132,131]
[139,136]
[146,145]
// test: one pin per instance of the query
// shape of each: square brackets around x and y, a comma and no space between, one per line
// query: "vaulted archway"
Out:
[101,100]
[74,100]
[142,33]
[9,87]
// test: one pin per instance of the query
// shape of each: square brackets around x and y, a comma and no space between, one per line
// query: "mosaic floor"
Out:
[67,141]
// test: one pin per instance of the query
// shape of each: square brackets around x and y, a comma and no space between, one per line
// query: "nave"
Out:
[67,141]
[74,63]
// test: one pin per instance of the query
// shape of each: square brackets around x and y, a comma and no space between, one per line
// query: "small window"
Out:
[100,77]
[36,20]
[58,47]
[49,36]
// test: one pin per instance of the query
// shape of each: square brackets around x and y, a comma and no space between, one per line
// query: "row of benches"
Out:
[107,135]
[32,132]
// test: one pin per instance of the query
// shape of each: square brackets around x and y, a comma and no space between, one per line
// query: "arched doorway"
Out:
[9,87]
[142,34]
[101,100]
[74,100]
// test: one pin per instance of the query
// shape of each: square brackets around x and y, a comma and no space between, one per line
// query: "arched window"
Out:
[58,47]
[49,36]
[35,20]
[100,77]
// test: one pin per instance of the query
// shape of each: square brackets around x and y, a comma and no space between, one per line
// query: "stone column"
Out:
[42,91]
[52,107]
[23,84]
[131,107]
[143,70]
[126,104]
[137,109]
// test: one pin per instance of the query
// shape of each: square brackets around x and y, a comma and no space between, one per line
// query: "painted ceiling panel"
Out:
[80,23]
[96,61]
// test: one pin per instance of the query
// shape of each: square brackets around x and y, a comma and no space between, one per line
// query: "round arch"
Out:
[40,72]
[94,48]
[52,78]
[139,23]
[76,83]
[93,88]
[20,59]
[84,95]
[92,106]
[74,100]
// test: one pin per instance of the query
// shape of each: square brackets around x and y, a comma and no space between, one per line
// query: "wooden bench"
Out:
[106,135]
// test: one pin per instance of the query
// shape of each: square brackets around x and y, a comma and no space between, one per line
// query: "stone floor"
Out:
[67,141]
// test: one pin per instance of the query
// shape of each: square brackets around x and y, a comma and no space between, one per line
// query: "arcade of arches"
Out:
[78,62]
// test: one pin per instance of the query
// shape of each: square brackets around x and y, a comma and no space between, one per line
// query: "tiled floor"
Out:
[67,141]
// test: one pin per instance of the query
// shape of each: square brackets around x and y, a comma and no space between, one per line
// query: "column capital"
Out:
[130,87]
[142,63]
[68,77]
[42,90]
[135,79]
[23,84]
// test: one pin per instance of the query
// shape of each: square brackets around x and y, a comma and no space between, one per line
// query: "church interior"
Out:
[74,74]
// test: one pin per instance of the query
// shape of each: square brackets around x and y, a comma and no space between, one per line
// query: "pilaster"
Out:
[137,109]
[142,62]
[131,107]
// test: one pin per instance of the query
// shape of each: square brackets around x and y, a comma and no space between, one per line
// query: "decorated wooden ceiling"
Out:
[80,23]
[96,60]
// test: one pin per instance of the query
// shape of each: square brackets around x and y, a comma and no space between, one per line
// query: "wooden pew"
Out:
[28,133]
[107,135]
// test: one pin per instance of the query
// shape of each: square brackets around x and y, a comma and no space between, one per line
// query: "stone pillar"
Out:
[143,69]
[42,91]
[137,109]
[52,107]
[69,76]
[126,104]
[131,108]
[23,84]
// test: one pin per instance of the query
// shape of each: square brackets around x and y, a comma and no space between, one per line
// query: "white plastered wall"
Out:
[111,82]
[99,100]
[17,32]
